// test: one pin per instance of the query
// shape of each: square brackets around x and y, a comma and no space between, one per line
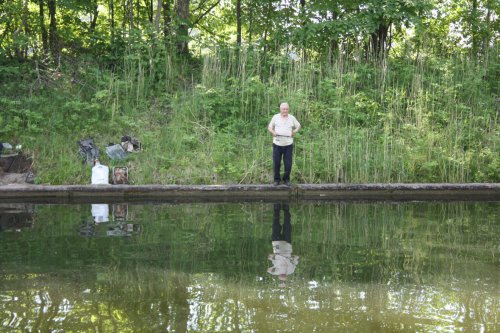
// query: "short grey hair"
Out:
[284,104]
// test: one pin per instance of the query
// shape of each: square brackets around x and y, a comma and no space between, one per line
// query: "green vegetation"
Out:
[366,265]
[387,93]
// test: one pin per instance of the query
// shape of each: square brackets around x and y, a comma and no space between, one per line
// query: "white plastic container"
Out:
[100,174]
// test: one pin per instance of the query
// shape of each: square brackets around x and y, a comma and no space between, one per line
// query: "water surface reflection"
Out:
[15,217]
[415,267]
[100,224]
[283,262]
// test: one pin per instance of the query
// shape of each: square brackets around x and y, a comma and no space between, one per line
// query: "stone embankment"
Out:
[222,193]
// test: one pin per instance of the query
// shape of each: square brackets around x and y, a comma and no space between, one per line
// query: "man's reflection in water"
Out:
[283,261]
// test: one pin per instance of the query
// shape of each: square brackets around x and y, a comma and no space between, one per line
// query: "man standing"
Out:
[283,127]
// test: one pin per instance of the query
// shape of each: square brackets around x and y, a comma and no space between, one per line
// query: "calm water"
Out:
[250,267]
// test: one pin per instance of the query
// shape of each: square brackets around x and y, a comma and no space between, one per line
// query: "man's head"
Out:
[284,109]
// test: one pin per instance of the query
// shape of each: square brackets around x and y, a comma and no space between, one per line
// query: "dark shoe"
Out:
[287,183]
[276,183]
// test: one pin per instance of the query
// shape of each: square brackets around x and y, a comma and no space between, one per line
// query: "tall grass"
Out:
[204,120]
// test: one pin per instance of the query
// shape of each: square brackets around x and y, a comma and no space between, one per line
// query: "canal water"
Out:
[250,267]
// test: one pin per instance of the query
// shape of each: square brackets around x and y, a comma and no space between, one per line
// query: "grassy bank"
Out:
[203,121]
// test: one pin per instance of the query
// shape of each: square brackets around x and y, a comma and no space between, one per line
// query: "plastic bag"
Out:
[116,152]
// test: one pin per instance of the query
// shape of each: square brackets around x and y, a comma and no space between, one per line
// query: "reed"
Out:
[204,120]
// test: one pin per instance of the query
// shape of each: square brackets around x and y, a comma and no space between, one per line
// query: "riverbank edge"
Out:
[242,192]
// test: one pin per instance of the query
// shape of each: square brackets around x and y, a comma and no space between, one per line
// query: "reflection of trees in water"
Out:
[151,298]
[378,265]
[148,299]
[339,241]
[405,242]
[107,300]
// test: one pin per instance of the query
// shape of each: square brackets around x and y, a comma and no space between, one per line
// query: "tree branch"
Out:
[200,6]
[208,31]
[205,13]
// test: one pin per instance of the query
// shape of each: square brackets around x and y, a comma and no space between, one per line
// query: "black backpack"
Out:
[88,151]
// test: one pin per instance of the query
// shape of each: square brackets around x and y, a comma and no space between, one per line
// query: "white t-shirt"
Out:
[283,127]
[283,260]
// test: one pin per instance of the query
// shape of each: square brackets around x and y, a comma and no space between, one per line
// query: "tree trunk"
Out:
[125,15]
[25,17]
[45,36]
[167,19]
[474,28]
[182,10]
[334,41]
[159,4]
[238,22]
[6,30]
[379,40]
[132,16]
[152,9]
[111,6]
[137,13]
[128,15]
[53,38]
[269,8]
[303,23]
[95,14]
[21,51]
[250,23]
[487,34]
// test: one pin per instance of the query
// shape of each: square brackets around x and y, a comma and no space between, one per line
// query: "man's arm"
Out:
[295,131]
[270,128]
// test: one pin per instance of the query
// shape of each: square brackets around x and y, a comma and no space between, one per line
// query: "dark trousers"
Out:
[285,153]
[282,232]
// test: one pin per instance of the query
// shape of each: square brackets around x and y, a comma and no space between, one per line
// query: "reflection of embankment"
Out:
[16,216]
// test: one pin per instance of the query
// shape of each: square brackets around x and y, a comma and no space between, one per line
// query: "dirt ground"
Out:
[7,178]
[15,169]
